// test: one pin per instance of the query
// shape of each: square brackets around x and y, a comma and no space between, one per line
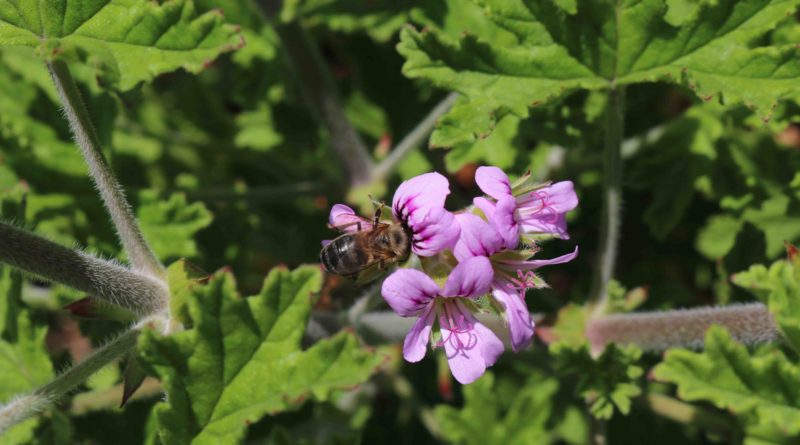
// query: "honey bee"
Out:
[363,255]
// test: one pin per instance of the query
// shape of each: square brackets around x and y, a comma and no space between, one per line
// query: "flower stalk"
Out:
[142,258]
[612,195]
[657,331]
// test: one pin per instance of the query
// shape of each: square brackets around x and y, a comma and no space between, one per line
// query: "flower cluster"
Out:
[485,252]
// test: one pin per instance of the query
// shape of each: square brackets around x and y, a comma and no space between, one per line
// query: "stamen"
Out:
[455,336]
[528,207]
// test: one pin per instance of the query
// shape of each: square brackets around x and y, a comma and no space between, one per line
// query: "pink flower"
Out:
[470,346]
[539,210]
[512,276]
[418,204]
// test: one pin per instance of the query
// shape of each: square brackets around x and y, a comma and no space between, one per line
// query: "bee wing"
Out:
[345,220]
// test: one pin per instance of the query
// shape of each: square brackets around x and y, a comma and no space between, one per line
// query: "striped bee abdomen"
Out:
[342,257]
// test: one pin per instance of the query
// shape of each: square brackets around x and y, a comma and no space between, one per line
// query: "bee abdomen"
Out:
[342,257]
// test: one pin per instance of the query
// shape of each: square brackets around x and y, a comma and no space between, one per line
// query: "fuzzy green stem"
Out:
[102,279]
[612,190]
[414,138]
[317,85]
[657,331]
[27,406]
[141,256]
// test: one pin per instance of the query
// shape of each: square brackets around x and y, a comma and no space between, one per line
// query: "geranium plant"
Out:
[167,170]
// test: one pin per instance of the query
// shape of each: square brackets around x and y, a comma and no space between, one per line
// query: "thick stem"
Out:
[28,405]
[106,280]
[657,331]
[141,256]
[414,138]
[612,189]
[317,85]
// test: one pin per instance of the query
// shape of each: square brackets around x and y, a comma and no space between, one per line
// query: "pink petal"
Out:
[486,206]
[549,223]
[520,325]
[428,190]
[344,219]
[325,242]
[434,229]
[408,291]
[562,196]
[536,264]
[504,223]
[470,278]
[470,346]
[493,182]
[416,344]
[477,238]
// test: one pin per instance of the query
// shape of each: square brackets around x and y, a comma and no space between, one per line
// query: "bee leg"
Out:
[358,226]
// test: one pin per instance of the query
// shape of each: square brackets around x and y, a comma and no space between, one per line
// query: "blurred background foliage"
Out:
[230,168]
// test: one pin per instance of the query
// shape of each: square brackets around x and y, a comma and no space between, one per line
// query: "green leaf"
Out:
[257,129]
[606,43]
[170,225]
[608,382]
[718,236]
[779,287]
[379,18]
[773,219]
[496,149]
[127,41]
[500,412]
[24,365]
[241,359]
[761,389]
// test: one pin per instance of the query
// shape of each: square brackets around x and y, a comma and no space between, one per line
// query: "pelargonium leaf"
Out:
[24,365]
[241,359]
[726,375]
[171,224]
[500,412]
[127,41]
[779,287]
[606,43]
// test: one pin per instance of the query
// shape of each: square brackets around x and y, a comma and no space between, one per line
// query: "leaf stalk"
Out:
[612,197]
[141,256]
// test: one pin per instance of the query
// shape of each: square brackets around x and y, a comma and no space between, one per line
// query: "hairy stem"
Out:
[657,331]
[318,86]
[26,406]
[414,138]
[612,189]
[141,256]
[102,279]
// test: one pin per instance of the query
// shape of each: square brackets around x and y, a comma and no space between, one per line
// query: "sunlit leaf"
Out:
[758,388]
[127,41]
[603,44]
[241,359]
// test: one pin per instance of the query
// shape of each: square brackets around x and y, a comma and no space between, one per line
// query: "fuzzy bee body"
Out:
[365,254]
